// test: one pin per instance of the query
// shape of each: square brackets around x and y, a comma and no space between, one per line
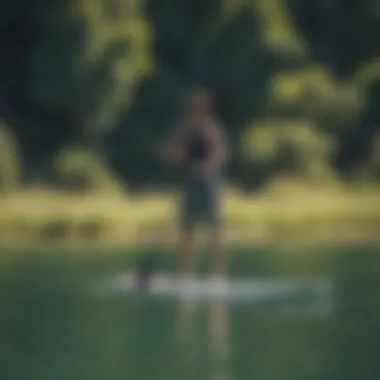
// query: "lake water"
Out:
[50,329]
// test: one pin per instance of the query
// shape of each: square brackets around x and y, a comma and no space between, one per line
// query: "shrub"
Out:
[9,160]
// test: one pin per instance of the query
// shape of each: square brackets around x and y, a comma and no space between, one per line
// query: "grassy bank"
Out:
[297,213]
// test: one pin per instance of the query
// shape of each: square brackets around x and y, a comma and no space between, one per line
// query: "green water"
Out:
[48,330]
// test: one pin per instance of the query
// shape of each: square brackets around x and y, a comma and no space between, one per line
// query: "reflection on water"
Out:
[68,335]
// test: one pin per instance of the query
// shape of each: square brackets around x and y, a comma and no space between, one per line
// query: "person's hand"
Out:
[168,153]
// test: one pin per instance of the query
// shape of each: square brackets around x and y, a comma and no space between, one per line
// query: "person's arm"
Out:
[219,147]
[222,147]
[172,150]
[219,150]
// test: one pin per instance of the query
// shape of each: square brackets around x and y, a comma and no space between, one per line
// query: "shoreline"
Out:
[170,242]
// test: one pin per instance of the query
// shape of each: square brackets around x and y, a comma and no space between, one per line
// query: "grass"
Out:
[289,211]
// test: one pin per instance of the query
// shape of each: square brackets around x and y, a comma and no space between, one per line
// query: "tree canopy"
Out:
[109,77]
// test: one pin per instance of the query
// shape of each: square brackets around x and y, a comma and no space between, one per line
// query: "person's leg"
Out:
[187,244]
[218,314]
[218,254]
[218,321]
[187,252]
[187,308]
[187,256]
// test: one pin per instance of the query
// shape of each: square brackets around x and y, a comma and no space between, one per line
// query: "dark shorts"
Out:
[200,202]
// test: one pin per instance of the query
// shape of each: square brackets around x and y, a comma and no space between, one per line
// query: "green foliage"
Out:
[370,169]
[315,94]
[284,212]
[294,147]
[279,31]
[118,50]
[82,65]
[77,164]
[367,74]
[113,74]
[9,160]
[309,91]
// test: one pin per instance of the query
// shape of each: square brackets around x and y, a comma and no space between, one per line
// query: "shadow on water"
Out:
[68,335]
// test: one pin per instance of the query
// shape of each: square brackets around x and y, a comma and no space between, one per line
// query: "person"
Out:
[200,146]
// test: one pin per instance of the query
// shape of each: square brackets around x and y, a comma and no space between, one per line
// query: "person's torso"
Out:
[197,147]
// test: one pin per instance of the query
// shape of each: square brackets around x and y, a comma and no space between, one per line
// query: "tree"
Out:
[9,160]
[82,169]
[294,147]
[340,34]
[72,71]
